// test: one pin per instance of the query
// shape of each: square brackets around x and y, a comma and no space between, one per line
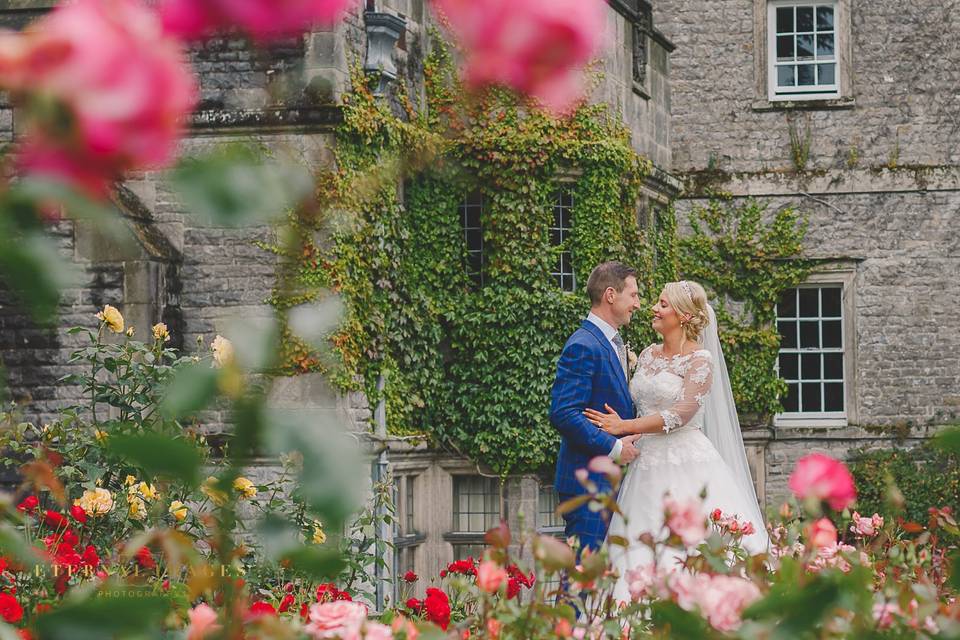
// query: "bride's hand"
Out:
[609,422]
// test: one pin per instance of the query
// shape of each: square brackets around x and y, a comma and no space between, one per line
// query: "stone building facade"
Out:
[196,278]
[845,111]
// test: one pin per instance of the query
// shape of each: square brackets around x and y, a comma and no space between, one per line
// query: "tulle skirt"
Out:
[682,463]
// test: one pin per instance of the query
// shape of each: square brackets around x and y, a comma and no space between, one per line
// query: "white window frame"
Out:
[474,200]
[816,92]
[842,277]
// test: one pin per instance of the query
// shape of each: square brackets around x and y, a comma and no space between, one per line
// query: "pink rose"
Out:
[642,582]
[866,526]
[125,85]
[264,20]
[338,619]
[538,48]
[822,533]
[686,520]
[883,614]
[823,478]
[202,622]
[723,598]
[490,576]
[377,631]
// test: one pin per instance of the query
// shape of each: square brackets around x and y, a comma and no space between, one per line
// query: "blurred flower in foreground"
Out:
[104,91]
[535,47]
[820,477]
[264,20]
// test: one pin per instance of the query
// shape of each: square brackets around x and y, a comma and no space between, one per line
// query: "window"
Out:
[471,221]
[547,519]
[406,537]
[802,50]
[810,321]
[560,230]
[476,508]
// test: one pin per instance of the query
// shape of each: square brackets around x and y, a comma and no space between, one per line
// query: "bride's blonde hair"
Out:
[689,300]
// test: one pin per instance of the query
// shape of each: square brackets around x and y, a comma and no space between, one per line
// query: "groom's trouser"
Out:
[589,526]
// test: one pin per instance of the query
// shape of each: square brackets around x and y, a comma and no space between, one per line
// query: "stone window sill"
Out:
[640,90]
[804,105]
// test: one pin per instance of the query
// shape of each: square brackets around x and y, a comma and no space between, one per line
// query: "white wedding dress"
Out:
[680,461]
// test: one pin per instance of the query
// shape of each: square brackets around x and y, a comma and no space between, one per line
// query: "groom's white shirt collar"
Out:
[608,331]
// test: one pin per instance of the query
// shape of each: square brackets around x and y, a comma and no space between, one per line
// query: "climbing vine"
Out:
[471,366]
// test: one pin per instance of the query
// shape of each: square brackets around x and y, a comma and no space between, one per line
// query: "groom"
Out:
[592,372]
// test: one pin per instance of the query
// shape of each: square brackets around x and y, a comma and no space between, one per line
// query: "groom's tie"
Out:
[621,353]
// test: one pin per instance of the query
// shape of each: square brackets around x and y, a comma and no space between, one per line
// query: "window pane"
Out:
[805,47]
[785,76]
[833,396]
[804,19]
[826,74]
[784,47]
[832,366]
[825,45]
[788,334]
[832,334]
[810,366]
[788,366]
[784,19]
[805,76]
[810,396]
[567,284]
[809,334]
[473,217]
[792,401]
[554,237]
[824,18]
[787,306]
[809,303]
[831,299]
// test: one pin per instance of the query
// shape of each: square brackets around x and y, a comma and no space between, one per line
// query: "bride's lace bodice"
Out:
[673,387]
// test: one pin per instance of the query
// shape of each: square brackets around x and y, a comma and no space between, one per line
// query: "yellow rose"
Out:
[112,318]
[209,489]
[148,491]
[160,332]
[319,537]
[100,435]
[130,481]
[178,510]
[130,332]
[138,509]
[222,351]
[244,487]
[95,502]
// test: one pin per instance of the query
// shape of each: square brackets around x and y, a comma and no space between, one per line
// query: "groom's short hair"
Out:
[605,275]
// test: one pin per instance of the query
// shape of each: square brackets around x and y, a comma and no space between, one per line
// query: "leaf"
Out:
[319,562]
[34,270]
[159,455]
[254,340]
[235,186]
[192,389]
[680,624]
[313,322]
[955,570]
[13,545]
[116,611]
[573,503]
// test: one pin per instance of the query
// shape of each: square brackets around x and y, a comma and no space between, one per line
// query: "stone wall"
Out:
[881,190]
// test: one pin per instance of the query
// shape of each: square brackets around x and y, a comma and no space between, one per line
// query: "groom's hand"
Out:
[628,452]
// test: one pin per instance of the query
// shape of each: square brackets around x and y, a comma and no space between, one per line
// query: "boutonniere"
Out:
[631,359]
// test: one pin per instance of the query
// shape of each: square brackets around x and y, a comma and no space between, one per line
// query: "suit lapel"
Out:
[611,356]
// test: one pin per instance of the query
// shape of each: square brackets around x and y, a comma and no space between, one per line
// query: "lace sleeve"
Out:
[696,385]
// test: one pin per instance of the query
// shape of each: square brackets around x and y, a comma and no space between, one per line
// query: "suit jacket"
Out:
[589,374]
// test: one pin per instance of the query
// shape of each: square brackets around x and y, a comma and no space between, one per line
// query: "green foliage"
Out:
[924,475]
[748,257]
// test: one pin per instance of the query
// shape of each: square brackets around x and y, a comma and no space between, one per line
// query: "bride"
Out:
[688,432]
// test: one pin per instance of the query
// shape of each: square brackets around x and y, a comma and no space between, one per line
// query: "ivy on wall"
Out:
[471,367]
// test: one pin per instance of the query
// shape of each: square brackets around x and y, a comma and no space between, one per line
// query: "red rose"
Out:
[513,588]
[145,558]
[78,514]
[165,585]
[261,608]
[716,515]
[29,504]
[24,634]
[288,587]
[414,605]
[327,592]
[437,606]
[287,602]
[55,520]
[4,564]
[10,609]
[70,537]
[90,557]
[410,576]
[60,586]
[304,610]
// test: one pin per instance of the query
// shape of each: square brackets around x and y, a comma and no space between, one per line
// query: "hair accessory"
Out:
[686,287]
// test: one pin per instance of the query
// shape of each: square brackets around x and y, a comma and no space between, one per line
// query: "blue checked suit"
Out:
[589,374]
